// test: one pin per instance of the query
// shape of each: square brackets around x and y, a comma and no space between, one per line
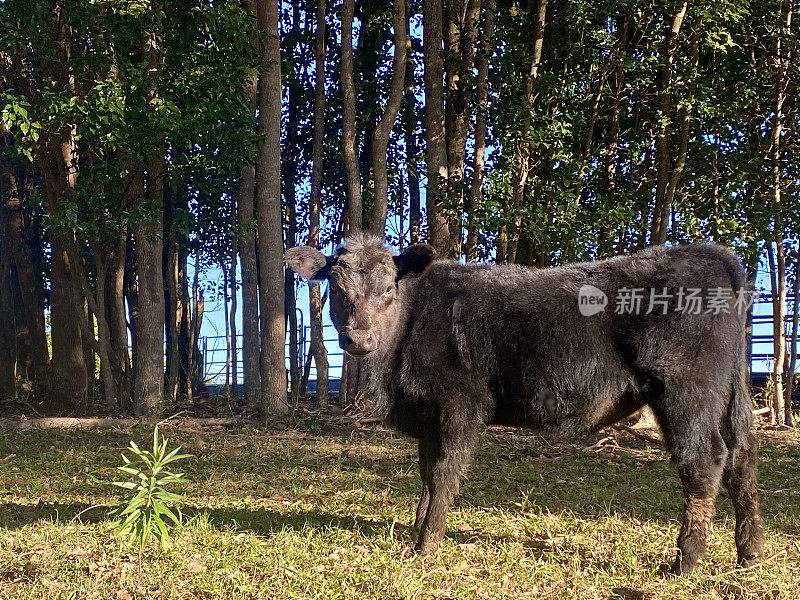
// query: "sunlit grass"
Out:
[285,514]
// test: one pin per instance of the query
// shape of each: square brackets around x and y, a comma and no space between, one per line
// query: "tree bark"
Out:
[290,164]
[481,108]
[380,139]
[461,32]
[118,332]
[522,164]
[664,193]
[317,348]
[233,346]
[270,238]
[172,300]
[791,362]
[149,383]
[21,257]
[604,241]
[8,341]
[410,123]
[251,351]
[435,137]
[353,218]
[779,272]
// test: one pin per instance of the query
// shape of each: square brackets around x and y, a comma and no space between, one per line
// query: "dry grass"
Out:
[291,514]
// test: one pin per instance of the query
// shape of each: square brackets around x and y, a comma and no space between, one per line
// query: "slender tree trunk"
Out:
[270,239]
[233,346]
[660,217]
[461,31]
[791,362]
[779,278]
[251,352]
[290,164]
[132,298]
[227,323]
[149,383]
[410,118]
[8,342]
[522,164]
[172,302]
[317,348]
[604,242]
[778,288]
[380,139]
[435,137]
[118,332]
[349,143]
[185,343]
[481,116]
[193,314]
[89,357]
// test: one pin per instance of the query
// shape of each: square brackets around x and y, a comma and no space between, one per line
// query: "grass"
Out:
[288,514]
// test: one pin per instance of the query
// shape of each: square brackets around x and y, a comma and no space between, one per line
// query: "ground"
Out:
[286,513]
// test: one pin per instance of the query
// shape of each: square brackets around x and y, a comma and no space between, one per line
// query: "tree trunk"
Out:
[461,31]
[233,346]
[354,216]
[481,115]
[20,255]
[118,332]
[270,239]
[410,123]
[522,165]
[68,366]
[185,343]
[172,301]
[317,348]
[792,357]
[605,240]
[290,164]
[380,139]
[664,195]
[251,351]
[149,383]
[779,276]
[8,341]
[89,357]
[435,137]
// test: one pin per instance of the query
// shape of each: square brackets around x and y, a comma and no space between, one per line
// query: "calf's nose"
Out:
[359,342]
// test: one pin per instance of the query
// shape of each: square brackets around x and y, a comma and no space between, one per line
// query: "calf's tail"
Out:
[740,409]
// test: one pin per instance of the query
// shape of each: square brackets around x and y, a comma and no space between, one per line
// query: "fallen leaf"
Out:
[195,567]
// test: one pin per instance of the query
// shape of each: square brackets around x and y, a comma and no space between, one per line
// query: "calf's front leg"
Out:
[446,462]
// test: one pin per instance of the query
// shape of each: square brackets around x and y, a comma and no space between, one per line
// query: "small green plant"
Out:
[146,512]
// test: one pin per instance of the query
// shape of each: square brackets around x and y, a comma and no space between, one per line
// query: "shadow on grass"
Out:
[526,476]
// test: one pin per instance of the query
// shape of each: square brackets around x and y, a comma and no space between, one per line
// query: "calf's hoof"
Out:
[683,565]
[750,560]
[426,544]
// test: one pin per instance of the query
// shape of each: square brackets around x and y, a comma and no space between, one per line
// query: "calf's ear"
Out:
[414,259]
[308,262]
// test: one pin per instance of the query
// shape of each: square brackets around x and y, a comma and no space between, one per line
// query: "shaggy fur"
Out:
[451,348]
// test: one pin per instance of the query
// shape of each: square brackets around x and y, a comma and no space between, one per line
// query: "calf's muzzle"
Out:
[358,342]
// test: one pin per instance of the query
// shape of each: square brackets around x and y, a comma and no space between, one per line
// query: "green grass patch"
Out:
[287,514]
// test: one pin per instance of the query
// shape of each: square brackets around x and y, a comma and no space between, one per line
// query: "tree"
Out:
[270,238]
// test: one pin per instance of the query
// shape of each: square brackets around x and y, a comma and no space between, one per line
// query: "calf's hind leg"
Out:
[424,499]
[740,479]
[700,454]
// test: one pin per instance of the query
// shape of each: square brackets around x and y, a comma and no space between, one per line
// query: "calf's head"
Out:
[364,293]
